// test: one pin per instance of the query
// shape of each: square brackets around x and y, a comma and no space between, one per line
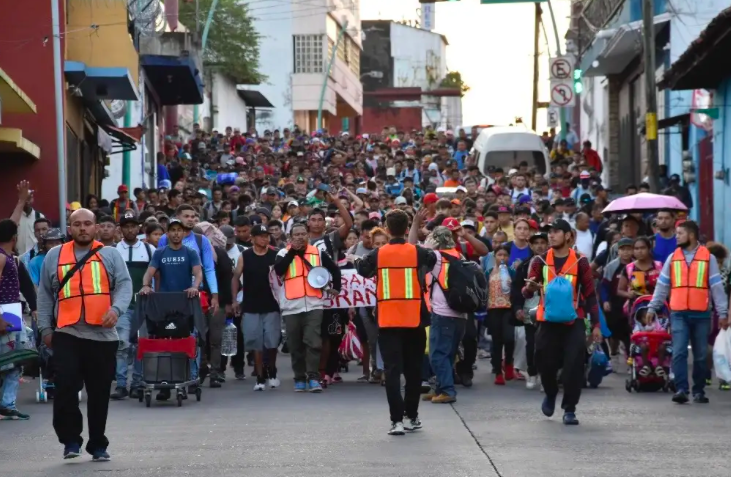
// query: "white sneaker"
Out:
[259,387]
[531,382]
[397,429]
[483,354]
[274,383]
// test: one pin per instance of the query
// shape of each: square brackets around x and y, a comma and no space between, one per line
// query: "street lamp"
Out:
[373,74]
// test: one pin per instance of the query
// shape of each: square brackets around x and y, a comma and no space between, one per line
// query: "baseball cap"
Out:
[293,203]
[361,190]
[391,171]
[129,217]
[468,223]
[461,188]
[455,202]
[569,202]
[228,232]
[524,199]
[430,198]
[584,175]
[374,216]
[263,211]
[122,188]
[561,225]
[259,229]
[503,210]
[451,223]
[175,222]
[625,242]
[538,235]
[401,200]
[433,166]
[272,191]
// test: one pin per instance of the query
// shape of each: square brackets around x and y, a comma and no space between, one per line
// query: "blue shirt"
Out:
[459,157]
[175,267]
[34,268]
[162,174]
[517,253]
[206,257]
[664,247]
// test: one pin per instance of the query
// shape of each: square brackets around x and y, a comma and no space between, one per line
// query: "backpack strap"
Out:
[199,242]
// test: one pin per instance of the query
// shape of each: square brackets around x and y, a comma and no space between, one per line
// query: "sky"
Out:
[492,47]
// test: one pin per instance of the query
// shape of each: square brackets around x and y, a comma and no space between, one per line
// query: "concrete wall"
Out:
[594,114]
[229,108]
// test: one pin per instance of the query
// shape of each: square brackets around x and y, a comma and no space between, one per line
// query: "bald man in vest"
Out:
[692,279]
[400,269]
[84,289]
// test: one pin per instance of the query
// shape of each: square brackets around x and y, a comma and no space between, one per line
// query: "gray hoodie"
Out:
[119,282]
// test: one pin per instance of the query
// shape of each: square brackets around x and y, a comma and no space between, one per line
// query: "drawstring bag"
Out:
[350,347]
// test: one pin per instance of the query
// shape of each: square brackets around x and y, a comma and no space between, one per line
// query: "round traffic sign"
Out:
[560,69]
[562,94]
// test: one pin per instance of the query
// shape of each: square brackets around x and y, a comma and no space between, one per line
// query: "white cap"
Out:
[441,130]
[512,171]
[391,171]
[361,190]
[433,166]
[461,188]
[468,223]
[400,200]
[293,203]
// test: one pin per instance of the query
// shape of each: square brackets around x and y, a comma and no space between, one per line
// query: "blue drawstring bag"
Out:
[558,301]
[598,367]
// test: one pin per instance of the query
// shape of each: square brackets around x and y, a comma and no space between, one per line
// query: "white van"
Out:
[508,146]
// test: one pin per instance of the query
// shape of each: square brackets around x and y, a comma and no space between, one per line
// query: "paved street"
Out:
[490,431]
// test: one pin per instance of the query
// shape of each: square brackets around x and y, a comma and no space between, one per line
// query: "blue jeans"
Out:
[694,329]
[124,323]
[9,390]
[445,335]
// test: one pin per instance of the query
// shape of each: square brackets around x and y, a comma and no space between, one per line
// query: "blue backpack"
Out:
[558,301]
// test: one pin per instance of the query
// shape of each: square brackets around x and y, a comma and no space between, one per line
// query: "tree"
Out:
[453,79]
[233,44]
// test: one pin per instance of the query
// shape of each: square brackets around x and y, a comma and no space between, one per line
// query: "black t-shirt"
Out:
[258,297]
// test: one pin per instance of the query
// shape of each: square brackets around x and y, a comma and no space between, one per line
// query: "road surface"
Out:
[490,431]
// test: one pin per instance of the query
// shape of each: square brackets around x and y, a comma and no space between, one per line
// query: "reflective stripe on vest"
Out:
[444,271]
[398,291]
[689,284]
[295,280]
[87,293]
[549,273]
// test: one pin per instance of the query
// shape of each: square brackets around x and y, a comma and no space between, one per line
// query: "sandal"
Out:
[645,371]
[660,371]
[336,378]
[362,379]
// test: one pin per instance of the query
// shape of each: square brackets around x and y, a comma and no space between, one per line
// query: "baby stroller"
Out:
[170,319]
[659,353]
[40,368]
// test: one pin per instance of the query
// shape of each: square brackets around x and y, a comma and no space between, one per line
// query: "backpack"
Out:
[199,242]
[558,300]
[467,286]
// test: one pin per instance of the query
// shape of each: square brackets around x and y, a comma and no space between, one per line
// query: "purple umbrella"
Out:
[644,202]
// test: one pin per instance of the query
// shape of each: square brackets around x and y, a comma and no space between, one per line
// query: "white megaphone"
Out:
[318,277]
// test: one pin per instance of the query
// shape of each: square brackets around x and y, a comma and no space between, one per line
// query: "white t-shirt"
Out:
[234,253]
[585,243]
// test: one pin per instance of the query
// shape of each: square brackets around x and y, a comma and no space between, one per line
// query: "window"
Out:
[353,57]
[341,49]
[308,53]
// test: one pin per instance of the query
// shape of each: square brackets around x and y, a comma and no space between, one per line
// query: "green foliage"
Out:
[453,79]
[233,44]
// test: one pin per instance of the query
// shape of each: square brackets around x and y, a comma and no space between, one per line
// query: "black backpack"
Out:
[466,285]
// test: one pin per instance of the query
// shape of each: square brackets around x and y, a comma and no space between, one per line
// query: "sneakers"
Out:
[569,419]
[214,382]
[315,386]
[443,399]
[397,429]
[300,386]
[680,397]
[425,387]
[700,399]
[120,392]
[412,424]
[13,414]
[259,387]
[71,451]
[548,406]
[428,396]
[363,379]
[531,382]
[274,383]
[100,455]
[466,380]
[500,379]
[509,372]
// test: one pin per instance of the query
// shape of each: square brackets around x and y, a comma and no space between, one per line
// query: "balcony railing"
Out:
[597,13]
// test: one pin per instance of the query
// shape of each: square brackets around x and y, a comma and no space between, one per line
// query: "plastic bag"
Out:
[351,348]
[426,348]
[520,359]
[722,355]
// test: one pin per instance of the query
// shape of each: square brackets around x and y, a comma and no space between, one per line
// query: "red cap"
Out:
[430,198]
[451,223]
[122,188]
[456,202]
[533,224]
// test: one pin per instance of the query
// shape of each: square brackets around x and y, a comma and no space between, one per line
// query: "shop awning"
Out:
[13,144]
[705,63]
[125,138]
[254,99]
[621,46]
[101,83]
[176,79]
[101,113]
[12,98]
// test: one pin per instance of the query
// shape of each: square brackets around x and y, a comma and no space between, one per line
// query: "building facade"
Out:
[297,41]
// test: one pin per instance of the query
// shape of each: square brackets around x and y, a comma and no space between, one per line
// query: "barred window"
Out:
[308,53]
[354,57]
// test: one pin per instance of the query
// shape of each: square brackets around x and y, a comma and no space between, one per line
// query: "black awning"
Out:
[254,99]
[673,121]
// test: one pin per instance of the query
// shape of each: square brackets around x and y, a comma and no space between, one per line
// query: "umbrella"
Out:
[644,202]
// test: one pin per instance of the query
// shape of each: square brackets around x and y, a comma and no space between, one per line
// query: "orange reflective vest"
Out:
[571,267]
[398,291]
[117,210]
[87,293]
[295,280]
[689,284]
[445,266]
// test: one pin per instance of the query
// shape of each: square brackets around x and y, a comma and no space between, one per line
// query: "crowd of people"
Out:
[238,221]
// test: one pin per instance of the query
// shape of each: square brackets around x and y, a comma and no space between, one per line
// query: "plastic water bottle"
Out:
[504,278]
[228,342]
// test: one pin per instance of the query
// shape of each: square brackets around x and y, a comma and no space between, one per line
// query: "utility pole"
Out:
[648,37]
[536,54]
[60,122]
